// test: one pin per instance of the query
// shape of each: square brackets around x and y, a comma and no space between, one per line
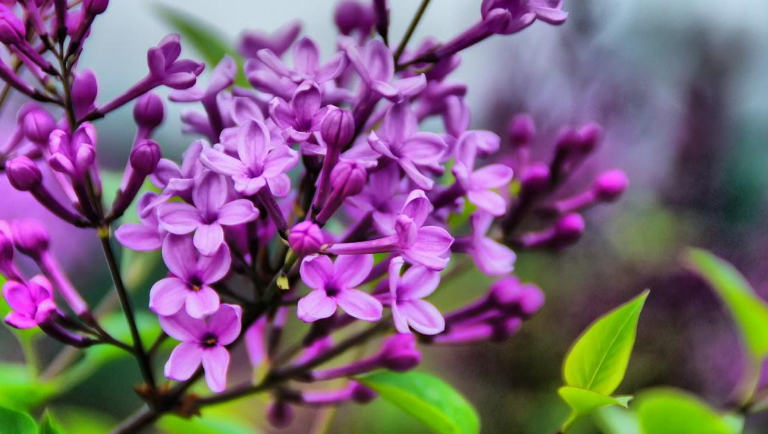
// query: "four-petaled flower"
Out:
[306,63]
[191,280]
[522,13]
[491,257]
[260,163]
[405,296]
[302,116]
[334,285]
[202,341]
[210,212]
[401,141]
[28,301]
[478,184]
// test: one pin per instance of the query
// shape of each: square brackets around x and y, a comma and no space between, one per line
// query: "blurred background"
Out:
[682,91]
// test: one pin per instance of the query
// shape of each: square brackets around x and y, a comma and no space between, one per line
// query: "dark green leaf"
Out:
[599,358]
[428,399]
[16,422]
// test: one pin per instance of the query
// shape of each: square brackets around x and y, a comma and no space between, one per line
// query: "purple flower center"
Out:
[195,283]
[210,340]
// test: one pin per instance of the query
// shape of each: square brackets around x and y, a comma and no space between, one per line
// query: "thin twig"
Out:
[411,28]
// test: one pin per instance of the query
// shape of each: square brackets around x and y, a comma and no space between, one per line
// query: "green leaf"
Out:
[599,358]
[583,402]
[206,40]
[207,424]
[116,325]
[429,399]
[748,310]
[85,421]
[19,389]
[616,420]
[666,410]
[49,425]
[16,422]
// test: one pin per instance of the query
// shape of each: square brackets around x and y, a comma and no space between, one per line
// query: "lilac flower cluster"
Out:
[314,193]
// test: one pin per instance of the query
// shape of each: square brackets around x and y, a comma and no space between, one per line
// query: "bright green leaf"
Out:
[584,402]
[49,425]
[428,399]
[19,389]
[748,310]
[666,410]
[207,424]
[599,358]
[616,420]
[206,40]
[16,422]
[81,420]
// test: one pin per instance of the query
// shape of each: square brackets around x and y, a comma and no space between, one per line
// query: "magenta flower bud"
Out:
[12,29]
[521,130]
[506,293]
[38,125]
[338,127]
[306,238]
[568,140]
[352,15]
[348,178]
[148,112]
[145,156]
[95,7]
[7,267]
[30,238]
[23,173]
[591,135]
[536,178]
[503,330]
[84,90]
[363,394]
[400,353]
[610,185]
[568,230]
[280,414]
[532,300]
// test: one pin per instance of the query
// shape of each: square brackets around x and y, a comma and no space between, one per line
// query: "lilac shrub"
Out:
[314,193]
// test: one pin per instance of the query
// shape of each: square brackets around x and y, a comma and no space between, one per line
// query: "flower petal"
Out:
[350,270]
[359,305]
[168,295]
[210,192]
[202,303]
[424,148]
[306,56]
[225,323]
[208,238]
[316,305]
[237,212]
[139,237]
[423,317]
[178,217]
[488,201]
[418,282]
[222,163]
[492,176]
[316,271]
[216,365]
[180,256]
[184,361]
[252,143]
[213,268]
[183,327]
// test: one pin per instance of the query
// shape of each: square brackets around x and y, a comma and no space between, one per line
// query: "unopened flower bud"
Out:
[145,156]
[521,130]
[306,238]
[148,112]
[84,90]
[591,135]
[348,178]
[506,293]
[532,300]
[6,249]
[280,414]
[352,15]
[568,140]
[362,394]
[610,185]
[38,125]
[400,353]
[568,230]
[23,173]
[337,128]
[30,238]
[504,329]
[12,28]
[536,178]
[95,7]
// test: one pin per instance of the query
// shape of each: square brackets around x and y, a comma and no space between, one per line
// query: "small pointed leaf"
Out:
[583,402]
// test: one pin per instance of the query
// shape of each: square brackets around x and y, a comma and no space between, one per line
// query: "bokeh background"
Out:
[682,90]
